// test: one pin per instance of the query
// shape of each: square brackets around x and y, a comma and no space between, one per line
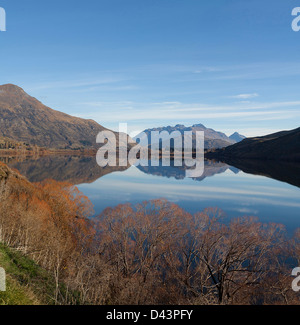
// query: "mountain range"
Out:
[25,119]
[212,139]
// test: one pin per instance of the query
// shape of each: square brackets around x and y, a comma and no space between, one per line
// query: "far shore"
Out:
[46,152]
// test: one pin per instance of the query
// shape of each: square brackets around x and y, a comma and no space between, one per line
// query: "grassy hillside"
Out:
[26,282]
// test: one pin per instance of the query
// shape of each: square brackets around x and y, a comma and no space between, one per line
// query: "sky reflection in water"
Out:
[237,194]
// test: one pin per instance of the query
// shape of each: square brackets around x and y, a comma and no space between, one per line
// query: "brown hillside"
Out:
[25,119]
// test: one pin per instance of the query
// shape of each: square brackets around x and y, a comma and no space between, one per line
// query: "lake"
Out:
[275,198]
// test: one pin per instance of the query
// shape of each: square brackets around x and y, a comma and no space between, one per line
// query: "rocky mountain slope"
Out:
[25,119]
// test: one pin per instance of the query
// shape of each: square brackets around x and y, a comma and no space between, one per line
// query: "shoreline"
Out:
[48,152]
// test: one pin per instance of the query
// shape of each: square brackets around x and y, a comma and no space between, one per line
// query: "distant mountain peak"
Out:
[213,139]
[199,126]
[236,133]
[237,137]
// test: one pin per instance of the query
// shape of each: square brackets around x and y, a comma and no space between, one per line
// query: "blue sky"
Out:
[230,65]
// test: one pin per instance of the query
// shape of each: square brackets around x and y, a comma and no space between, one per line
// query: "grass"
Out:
[26,282]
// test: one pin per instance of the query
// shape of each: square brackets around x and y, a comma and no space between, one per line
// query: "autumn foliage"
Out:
[151,253]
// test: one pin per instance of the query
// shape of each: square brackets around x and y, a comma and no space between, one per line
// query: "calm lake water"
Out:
[235,192]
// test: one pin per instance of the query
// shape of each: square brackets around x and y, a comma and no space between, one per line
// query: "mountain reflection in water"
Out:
[84,169]
[267,190]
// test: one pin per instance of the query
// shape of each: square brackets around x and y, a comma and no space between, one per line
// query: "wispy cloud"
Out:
[184,111]
[82,83]
[208,69]
[238,116]
[244,96]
